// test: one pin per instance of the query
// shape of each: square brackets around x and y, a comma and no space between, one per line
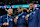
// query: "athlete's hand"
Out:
[4,24]
[27,17]
[15,20]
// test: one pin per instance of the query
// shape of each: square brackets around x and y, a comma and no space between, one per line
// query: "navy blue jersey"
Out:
[10,19]
[22,21]
[39,18]
[33,18]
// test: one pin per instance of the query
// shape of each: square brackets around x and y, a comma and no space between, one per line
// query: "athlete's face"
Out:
[10,11]
[31,5]
[20,9]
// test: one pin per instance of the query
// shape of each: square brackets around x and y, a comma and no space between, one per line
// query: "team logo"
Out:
[10,19]
[34,12]
[23,16]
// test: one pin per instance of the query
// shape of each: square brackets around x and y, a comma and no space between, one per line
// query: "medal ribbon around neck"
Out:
[7,19]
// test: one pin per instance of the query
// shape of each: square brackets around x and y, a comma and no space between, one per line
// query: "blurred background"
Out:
[17,2]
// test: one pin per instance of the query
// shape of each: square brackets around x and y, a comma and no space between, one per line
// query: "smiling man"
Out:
[8,20]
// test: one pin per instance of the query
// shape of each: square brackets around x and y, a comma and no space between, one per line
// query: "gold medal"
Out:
[7,23]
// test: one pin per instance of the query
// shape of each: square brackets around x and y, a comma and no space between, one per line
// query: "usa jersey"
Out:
[10,19]
[21,22]
[39,18]
[33,18]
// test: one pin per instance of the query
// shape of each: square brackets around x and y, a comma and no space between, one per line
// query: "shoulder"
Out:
[4,15]
[36,10]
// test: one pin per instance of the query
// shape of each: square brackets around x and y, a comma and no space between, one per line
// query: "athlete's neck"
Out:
[9,15]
